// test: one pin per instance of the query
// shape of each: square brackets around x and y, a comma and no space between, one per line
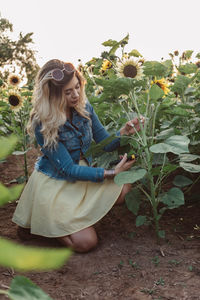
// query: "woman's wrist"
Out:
[109,174]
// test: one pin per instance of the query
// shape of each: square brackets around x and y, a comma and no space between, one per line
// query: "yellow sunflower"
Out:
[130,68]
[14,80]
[106,65]
[15,100]
[162,83]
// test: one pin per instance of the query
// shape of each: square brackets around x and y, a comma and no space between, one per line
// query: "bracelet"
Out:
[109,174]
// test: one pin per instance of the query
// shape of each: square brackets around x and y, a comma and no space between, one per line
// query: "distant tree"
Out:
[16,53]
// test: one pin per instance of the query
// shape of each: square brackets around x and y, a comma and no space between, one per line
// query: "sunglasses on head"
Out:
[58,74]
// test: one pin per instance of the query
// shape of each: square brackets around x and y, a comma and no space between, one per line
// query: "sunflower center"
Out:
[15,80]
[130,71]
[13,100]
[160,85]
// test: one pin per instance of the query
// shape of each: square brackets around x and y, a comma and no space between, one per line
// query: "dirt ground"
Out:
[128,263]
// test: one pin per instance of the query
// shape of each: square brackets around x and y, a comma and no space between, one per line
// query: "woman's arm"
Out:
[63,162]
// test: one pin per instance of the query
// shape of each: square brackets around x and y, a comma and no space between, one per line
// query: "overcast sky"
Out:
[75,29]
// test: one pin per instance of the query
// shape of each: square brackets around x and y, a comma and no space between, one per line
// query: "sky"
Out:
[75,29]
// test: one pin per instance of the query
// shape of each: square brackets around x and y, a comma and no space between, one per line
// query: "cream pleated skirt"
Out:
[55,208]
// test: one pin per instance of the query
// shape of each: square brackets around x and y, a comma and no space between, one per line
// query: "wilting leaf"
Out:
[31,258]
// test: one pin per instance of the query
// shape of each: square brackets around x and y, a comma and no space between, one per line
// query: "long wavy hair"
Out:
[49,103]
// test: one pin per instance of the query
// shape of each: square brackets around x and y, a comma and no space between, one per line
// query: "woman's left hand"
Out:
[132,126]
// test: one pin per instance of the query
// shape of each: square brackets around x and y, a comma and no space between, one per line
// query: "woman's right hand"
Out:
[123,165]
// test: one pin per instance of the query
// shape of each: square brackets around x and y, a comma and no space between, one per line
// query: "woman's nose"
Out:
[75,94]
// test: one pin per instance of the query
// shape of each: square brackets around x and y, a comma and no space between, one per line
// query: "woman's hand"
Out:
[132,126]
[123,165]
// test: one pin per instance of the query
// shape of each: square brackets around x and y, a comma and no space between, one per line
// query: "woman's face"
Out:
[72,92]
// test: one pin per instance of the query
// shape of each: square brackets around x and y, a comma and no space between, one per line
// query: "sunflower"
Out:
[129,68]
[14,80]
[98,91]
[162,84]
[15,100]
[106,65]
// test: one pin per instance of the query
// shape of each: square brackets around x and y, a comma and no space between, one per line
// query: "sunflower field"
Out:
[167,95]
[120,87]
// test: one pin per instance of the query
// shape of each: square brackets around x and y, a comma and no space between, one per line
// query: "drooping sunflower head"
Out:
[162,83]
[15,100]
[129,68]
[198,64]
[14,80]
[106,65]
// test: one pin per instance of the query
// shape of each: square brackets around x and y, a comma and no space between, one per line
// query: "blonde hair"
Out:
[49,103]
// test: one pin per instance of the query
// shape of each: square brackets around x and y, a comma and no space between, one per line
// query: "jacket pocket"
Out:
[70,140]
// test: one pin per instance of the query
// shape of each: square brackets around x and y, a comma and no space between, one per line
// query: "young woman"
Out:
[65,196]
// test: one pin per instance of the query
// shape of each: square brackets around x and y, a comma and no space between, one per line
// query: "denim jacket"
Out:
[74,138]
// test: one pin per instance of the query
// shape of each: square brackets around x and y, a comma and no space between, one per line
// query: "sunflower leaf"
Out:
[154,68]
[188,68]
[135,53]
[180,85]
[156,92]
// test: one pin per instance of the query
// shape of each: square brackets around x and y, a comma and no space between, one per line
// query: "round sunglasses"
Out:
[58,74]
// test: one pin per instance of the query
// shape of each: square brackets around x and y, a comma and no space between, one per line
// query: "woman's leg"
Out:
[121,199]
[81,241]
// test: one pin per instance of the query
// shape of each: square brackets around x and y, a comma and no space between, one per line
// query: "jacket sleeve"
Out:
[62,161]
[99,132]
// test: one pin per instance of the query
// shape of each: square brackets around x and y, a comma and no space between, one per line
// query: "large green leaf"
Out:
[192,168]
[173,198]
[133,200]
[140,220]
[154,68]
[7,145]
[176,144]
[168,168]
[30,258]
[188,68]
[182,181]
[164,134]
[9,194]
[185,157]
[156,92]
[180,85]
[113,88]
[23,288]
[129,176]
[177,111]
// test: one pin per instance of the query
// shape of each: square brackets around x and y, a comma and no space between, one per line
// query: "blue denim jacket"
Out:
[63,163]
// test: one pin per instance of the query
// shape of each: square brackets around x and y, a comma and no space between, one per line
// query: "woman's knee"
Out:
[86,244]
[82,241]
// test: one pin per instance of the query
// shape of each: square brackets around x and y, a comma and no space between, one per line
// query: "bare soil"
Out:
[128,263]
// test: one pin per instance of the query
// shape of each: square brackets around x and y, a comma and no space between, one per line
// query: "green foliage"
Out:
[17,53]
[188,68]
[29,258]
[7,145]
[176,144]
[129,176]
[180,84]
[173,198]
[22,288]
[167,95]
[156,92]
[154,68]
